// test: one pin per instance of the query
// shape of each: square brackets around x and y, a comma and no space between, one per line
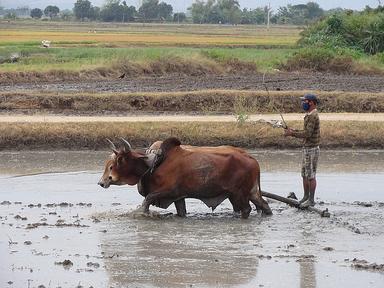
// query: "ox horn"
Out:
[127,146]
[113,147]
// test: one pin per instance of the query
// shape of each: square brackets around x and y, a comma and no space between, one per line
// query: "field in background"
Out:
[216,49]
[34,58]
[214,61]
[82,46]
[276,34]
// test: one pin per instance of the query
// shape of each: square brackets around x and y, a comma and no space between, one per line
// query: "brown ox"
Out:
[211,174]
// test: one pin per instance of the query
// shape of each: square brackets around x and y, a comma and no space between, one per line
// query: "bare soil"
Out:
[195,95]
[253,81]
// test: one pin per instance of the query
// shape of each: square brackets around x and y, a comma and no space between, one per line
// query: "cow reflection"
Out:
[203,251]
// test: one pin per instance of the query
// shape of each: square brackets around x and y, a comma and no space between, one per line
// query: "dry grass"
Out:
[325,61]
[197,102]
[123,40]
[164,66]
[158,34]
[249,135]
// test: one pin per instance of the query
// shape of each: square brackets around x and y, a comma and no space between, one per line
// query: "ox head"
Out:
[124,166]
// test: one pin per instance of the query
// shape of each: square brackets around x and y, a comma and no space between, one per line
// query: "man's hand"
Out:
[288,132]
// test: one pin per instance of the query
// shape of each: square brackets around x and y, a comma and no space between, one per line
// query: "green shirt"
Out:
[311,132]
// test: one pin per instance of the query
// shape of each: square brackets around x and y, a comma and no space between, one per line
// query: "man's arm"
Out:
[309,128]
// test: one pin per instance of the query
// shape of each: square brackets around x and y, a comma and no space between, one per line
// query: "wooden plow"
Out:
[294,203]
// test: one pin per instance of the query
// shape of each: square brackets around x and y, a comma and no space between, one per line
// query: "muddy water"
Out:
[51,211]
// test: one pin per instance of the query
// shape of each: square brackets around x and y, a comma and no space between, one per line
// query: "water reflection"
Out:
[206,252]
[307,264]
[330,161]
[24,162]
[307,274]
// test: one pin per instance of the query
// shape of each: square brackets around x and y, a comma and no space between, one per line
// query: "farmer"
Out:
[311,150]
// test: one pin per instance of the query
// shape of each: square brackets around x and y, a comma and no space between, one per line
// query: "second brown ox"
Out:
[211,174]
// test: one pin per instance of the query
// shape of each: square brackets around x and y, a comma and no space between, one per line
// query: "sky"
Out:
[182,5]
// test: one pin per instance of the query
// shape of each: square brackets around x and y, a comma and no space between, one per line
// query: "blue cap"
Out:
[310,97]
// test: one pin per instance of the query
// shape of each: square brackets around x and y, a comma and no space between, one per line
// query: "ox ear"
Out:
[119,160]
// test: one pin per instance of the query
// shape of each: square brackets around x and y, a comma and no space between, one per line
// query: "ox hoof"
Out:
[267,213]
[142,210]
[245,214]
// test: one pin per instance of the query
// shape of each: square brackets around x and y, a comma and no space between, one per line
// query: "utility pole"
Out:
[268,14]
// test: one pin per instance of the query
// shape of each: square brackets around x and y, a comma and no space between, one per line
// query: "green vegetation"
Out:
[202,11]
[36,59]
[361,31]
[77,58]
[343,42]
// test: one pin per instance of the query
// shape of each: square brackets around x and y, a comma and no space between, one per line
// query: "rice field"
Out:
[171,34]
[9,37]
[80,46]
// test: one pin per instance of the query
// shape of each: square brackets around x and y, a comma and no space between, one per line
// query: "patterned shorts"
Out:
[309,164]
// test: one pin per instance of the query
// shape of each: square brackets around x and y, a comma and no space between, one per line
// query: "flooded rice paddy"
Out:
[59,229]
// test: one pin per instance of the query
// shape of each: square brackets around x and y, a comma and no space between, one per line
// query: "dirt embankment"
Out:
[190,102]
[240,95]
[335,134]
[157,68]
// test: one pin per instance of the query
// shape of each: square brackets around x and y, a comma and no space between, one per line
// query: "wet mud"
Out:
[61,230]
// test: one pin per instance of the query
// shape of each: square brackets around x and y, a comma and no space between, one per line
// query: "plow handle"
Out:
[295,203]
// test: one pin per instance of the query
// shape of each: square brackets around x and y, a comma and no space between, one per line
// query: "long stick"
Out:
[294,203]
[285,126]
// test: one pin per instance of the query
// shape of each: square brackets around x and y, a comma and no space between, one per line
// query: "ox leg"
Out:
[258,209]
[265,207]
[180,208]
[246,211]
[257,199]
[149,200]
[236,208]
[240,206]
[260,203]
[145,206]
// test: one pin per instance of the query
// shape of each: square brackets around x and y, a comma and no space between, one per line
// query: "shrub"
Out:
[373,40]
[380,57]
[315,59]
[359,31]
[320,59]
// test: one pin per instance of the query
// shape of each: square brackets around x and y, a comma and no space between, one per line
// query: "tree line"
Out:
[201,11]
